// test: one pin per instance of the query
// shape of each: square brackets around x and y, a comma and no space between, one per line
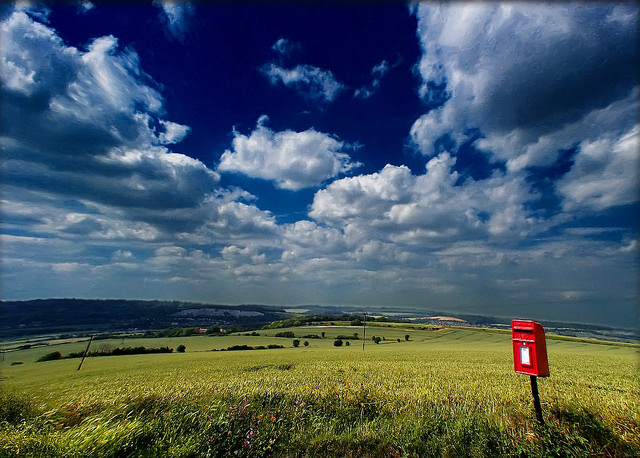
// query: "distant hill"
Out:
[44,316]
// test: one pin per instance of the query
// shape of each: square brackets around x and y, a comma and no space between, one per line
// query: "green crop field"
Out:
[444,392]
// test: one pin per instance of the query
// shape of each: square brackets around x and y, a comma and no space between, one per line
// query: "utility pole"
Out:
[86,352]
[364,330]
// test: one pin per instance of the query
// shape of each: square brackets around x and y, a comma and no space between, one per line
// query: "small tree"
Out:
[406,337]
[347,343]
[337,343]
[306,343]
[323,334]
[296,343]
[181,348]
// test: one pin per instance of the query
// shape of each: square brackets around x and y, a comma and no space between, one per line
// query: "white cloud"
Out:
[173,132]
[98,172]
[604,173]
[175,15]
[377,72]
[85,6]
[284,47]
[307,80]
[293,160]
[535,79]
[396,206]
[111,155]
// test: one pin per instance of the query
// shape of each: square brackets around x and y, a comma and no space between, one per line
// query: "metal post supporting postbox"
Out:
[536,398]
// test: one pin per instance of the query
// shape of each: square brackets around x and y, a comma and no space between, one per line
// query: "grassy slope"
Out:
[457,383]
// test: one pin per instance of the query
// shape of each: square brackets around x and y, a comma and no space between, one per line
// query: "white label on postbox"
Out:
[525,358]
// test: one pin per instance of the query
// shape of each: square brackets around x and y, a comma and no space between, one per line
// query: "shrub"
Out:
[288,334]
[347,343]
[181,348]
[296,343]
[337,343]
[353,337]
[306,343]
[238,348]
[406,337]
[50,356]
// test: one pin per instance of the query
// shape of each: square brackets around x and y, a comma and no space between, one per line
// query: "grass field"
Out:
[445,392]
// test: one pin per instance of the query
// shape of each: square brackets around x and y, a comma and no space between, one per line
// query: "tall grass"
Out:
[447,394]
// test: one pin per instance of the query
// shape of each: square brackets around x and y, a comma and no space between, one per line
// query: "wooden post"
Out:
[86,352]
[536,398]
[364,330]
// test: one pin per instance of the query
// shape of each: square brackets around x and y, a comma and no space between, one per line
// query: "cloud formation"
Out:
[85,148]
[293,160]
[175,16]
[394,205]
[535,81]
[377,72]
[95,200]
[306,80]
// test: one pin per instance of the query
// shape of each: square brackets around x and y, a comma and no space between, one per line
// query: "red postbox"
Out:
[529,348]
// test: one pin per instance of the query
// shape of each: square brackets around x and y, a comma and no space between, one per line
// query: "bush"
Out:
[406,337]
[50,356]
[337,343]
[352,337]
[296,343]
[181,348]
[306,343]
[287,334]
[238,348]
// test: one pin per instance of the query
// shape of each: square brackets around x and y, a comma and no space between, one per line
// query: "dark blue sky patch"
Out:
[543,182]
[473,163]
[286,206]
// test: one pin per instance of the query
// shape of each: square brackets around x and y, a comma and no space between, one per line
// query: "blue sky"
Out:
[478,158]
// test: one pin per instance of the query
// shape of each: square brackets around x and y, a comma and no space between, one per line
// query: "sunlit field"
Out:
[444,391]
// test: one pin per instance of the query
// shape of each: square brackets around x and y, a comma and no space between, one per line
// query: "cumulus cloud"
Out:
[307,80]
[534,79]
[293,160]
[604,173]
[395,205]
[94,112]
[99,167]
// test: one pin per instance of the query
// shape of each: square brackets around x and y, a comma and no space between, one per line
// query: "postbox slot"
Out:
[523,326]
[524,336]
